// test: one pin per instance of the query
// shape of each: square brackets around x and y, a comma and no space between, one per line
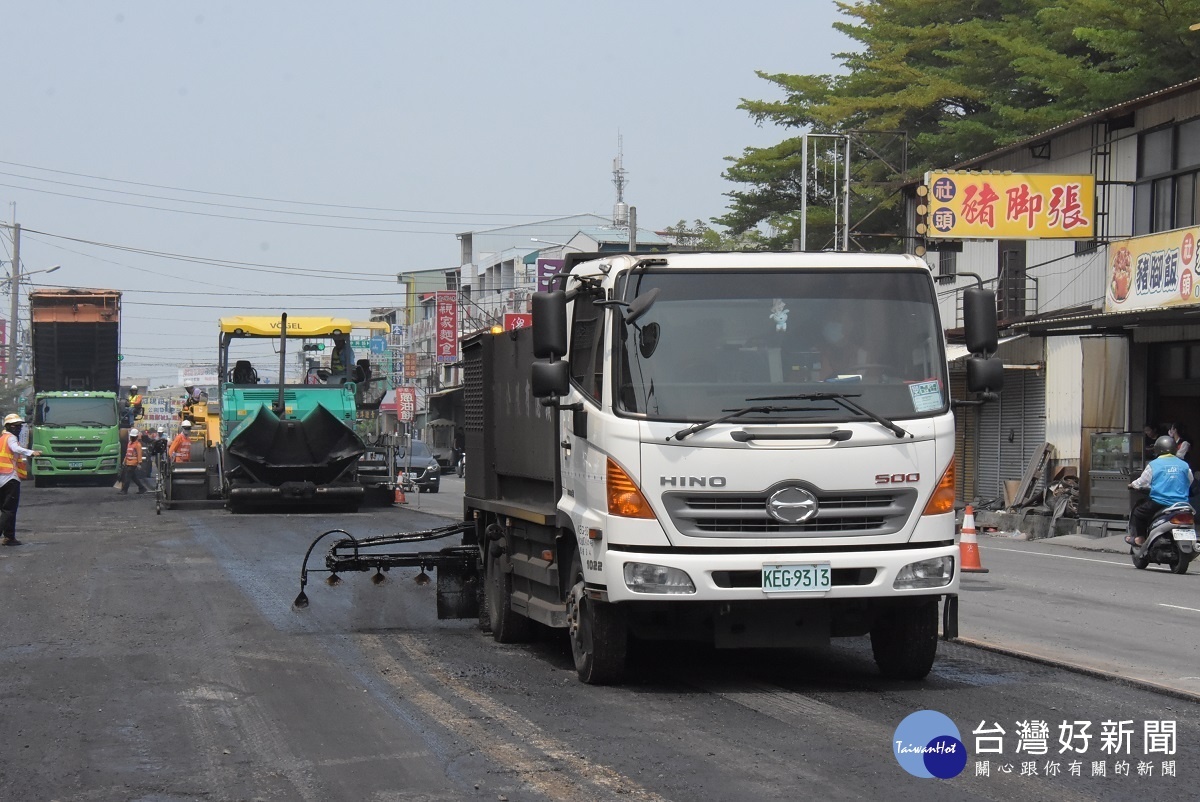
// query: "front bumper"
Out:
[737,577]
[50,465]
[297,491]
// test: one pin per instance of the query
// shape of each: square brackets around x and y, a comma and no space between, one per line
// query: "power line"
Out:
[60,247]
[245,219]
[239,218]
[257,198]
[457,224]
[248,266]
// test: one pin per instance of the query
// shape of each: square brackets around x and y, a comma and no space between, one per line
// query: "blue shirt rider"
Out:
[1168,478]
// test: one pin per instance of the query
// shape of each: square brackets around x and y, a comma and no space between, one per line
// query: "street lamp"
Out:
[559,244]
[15,280]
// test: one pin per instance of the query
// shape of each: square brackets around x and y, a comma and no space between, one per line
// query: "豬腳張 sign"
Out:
[969,205]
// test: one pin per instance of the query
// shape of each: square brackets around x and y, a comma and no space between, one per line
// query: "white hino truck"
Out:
[749,449]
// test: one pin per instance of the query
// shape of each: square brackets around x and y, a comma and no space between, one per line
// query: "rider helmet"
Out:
[1165,445]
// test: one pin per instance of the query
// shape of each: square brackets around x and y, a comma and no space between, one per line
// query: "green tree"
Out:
[699,236]
[949,81]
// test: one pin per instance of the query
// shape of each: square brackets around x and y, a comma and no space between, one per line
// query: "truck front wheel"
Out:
[904,640]
[599,634]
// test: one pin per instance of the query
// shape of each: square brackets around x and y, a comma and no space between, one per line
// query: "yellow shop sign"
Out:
[1153,272]
[973,205]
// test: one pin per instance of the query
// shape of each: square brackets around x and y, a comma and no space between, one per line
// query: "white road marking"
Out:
[1060,556]
[1177,607]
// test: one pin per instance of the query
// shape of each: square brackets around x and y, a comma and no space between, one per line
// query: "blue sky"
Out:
[320,148]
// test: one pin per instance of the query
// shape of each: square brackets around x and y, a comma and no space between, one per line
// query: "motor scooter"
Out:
[1170,540]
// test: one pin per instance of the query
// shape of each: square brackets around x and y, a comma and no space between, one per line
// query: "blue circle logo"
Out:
[943,219]
[928,744]
[944,189]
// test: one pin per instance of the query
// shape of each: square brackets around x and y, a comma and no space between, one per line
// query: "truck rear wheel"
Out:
[599,634]
[904,640]
[507,626]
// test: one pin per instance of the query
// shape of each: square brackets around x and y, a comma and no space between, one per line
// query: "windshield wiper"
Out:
[844,400]
[765,410]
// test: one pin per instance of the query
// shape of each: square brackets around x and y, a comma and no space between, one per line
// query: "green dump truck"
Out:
[74,414]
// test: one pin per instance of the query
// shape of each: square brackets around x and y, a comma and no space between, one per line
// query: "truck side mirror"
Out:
[640,305]
[985,375]
[551,378]
[979,320]
[549,324]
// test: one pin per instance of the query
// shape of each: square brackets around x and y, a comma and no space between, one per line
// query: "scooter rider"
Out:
[1168,478]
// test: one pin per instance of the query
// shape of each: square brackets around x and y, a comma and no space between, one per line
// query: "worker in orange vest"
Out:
[131,469]
[12,471]
[180,449]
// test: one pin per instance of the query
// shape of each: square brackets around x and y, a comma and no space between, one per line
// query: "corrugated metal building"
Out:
[1083,367]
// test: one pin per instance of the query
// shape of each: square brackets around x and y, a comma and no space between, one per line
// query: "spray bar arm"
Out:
[337,560]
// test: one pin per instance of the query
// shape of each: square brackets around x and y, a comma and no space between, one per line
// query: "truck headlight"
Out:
[647,578]
[932,573]
[41,463]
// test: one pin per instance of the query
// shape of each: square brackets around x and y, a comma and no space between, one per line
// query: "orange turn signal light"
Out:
[624,497]
[942,500]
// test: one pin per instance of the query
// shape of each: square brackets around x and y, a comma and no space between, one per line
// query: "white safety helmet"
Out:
[134,432]
[13,417]
[161,430]
[187,424]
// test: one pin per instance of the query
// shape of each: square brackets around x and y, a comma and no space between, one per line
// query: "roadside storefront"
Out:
[1139,357]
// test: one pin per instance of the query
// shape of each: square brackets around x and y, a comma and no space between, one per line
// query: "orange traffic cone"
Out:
[399,498]
[969,546]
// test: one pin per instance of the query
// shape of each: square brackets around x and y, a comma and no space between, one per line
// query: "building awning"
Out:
[441,393]
[1097,321]
[440,422]
[955,351]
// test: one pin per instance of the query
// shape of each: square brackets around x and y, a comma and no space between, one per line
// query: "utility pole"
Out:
[14,288]
[632,229]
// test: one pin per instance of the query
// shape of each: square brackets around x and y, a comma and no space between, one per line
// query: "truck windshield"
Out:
[76,412]
[714,339]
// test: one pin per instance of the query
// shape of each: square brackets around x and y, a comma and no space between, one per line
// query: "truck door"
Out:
[582,466]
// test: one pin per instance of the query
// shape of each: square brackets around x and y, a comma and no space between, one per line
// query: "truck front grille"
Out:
[839,513]
[63,448]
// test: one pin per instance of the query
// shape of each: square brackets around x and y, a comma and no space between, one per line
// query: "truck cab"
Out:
[78,436]
[752,450]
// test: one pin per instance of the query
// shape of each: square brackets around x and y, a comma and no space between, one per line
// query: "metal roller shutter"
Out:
[1010,431]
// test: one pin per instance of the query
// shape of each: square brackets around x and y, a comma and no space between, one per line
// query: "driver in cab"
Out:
[839,352]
